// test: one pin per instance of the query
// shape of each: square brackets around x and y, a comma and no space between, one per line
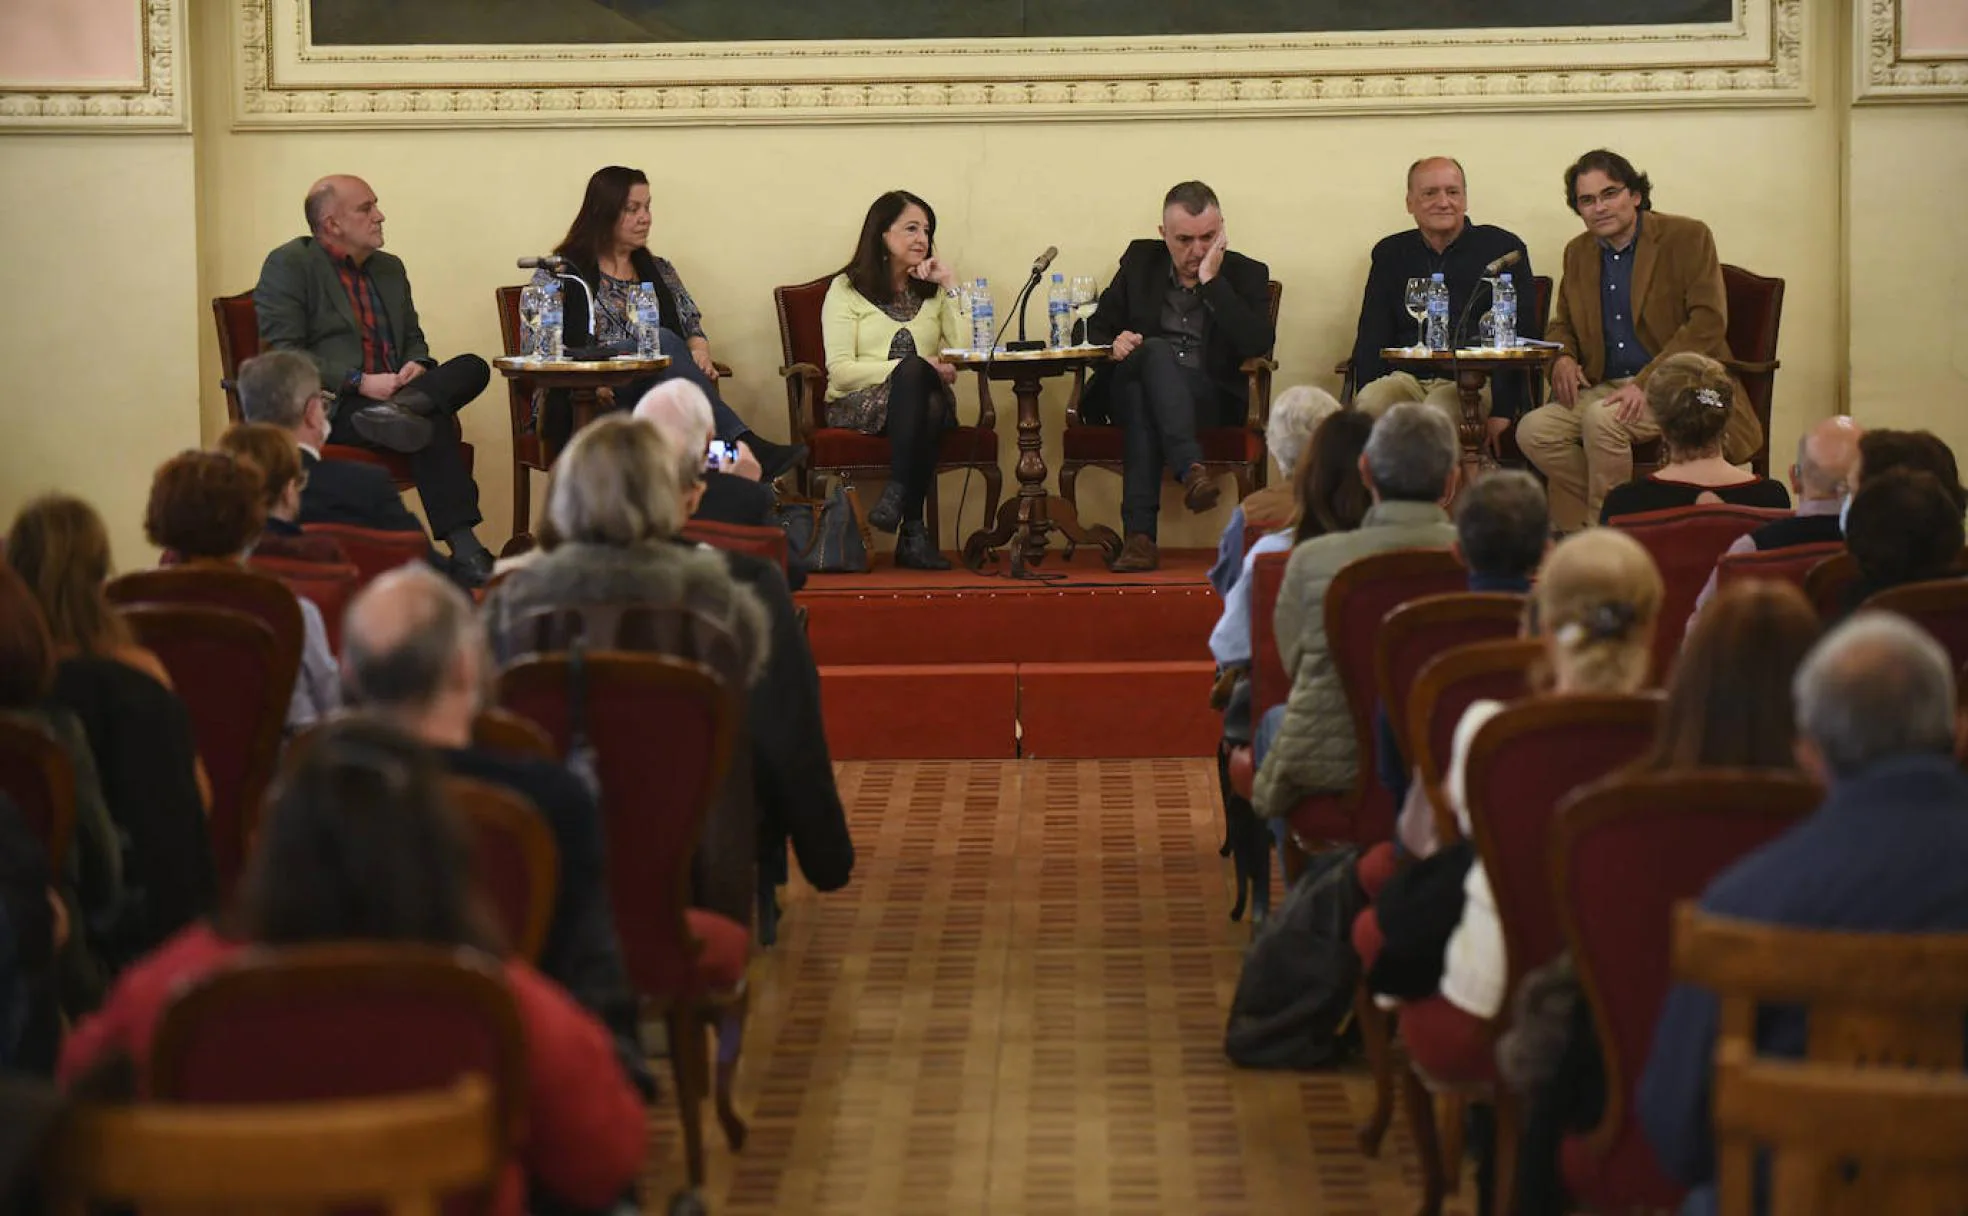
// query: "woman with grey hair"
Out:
[1295,414]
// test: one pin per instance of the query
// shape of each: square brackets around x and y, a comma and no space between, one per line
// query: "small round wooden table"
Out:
[1025,520]
[1470,368]
[581,378]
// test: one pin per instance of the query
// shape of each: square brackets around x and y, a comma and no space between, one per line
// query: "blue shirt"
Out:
[1625,356]
[1887,852]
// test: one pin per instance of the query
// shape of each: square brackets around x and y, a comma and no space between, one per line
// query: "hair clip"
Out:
[1710,398]
[1609,621]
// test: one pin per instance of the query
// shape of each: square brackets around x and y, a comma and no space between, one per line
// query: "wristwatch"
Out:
[352,383]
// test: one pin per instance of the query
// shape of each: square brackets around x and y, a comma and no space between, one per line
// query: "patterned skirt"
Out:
[866,409]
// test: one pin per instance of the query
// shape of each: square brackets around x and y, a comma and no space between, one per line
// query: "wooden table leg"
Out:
[1469,387]
[1031,515]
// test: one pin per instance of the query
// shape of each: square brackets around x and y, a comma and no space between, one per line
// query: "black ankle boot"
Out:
[914,550]
[886,514]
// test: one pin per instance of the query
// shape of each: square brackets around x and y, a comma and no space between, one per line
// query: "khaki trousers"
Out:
[1583,452]
[1373,398]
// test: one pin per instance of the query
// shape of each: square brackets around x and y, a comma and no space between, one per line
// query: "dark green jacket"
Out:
[303,306]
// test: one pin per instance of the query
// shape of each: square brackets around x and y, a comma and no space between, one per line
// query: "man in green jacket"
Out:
[336,297]
[1306,747]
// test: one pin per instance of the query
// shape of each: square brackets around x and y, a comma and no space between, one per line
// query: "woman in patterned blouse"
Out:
[607,245]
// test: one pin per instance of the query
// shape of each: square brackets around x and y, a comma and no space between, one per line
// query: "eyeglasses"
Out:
[1605,198]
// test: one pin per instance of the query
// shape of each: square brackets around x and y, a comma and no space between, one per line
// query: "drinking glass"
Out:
[1084,294]
[1416,302]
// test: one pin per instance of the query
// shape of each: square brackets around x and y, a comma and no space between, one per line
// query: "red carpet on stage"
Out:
[1078,662]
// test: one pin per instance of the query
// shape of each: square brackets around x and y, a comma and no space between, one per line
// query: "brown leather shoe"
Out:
[1138,556]
[1198,491]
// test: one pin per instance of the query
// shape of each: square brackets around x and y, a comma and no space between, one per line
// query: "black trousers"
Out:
[450,495]
[917,414]
[1159,405]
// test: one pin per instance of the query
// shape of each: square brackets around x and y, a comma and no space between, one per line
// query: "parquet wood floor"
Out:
[1017,1007]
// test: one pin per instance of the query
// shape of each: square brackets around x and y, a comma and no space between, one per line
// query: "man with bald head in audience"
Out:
[1820,480]
[414,654]
[1442,241]
[1886,852]
[337,298]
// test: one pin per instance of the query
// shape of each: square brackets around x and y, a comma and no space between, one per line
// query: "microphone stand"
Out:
[1024,297]
[593,320]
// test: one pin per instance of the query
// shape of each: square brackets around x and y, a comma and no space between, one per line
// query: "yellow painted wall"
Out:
[99,325]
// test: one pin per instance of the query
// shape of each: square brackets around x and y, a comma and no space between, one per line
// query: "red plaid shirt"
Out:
[378,351]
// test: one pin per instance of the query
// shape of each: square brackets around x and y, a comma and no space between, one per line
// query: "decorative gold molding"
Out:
[158,103]
[1885,74]
[283,81]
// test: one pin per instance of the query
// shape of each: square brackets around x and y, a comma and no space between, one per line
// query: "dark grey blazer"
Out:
[302,306]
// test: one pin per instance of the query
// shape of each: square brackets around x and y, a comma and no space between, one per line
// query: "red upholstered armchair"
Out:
[35,772]
[238,323]
[314,1023]
[374,551]
[849,454]
[766,542]
[1755,313]
[1270,683]
[1444,690]
[1413,634]
[1236,451]
[1623,852]
[514,861]
[1828,583]
[657,787]
[1940,607]
[329,586]
[1684,543]
[1789,565]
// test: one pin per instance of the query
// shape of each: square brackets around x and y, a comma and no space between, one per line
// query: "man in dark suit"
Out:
[413,654]
[336,297]
[1182,313]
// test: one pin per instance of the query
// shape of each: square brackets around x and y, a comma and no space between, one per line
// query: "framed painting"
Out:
[583,62]
[69,65]
[1911,50]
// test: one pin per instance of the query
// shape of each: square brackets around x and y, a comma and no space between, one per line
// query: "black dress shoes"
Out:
[389,425]
[916,550]
[775,459]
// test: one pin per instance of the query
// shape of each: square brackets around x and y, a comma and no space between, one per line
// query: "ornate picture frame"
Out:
[1890,67]
[152,96]
[283,81]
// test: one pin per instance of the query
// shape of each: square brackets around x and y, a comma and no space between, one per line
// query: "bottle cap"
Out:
[1436,277]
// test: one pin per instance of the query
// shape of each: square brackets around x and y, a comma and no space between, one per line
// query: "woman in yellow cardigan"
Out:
[888,314]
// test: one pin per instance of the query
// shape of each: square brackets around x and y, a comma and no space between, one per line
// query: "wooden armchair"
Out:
[1413,634]
[1884,1014]
[1445,688]
[1755,312]
[1827,583]
[238,323]
[514,860]
[1940,607]
[1787,565]
[848,454]
[1684,543]
[1236,451]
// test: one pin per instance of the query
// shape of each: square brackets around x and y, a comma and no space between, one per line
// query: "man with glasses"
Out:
[1639,286]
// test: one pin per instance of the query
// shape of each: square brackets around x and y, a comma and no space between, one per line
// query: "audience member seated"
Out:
[1306,746]
[91,881]
[1887,852]
[1294,416]
[608,246]
[1884,450]
[277,456]
[414,655]
[34,926]
[730,495]
[1692,399]
[1822,477]
[1503,528]
[281,388]
[139,732]
[608,575]
[1328,497]
[888,316]
[359,844]
[1904,527]
[1728,706]
[207,508]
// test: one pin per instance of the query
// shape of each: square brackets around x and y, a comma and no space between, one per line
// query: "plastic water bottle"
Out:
[1438,313]
[550,324]
[648,319]
[983,321]
[1504,313]
[1059,310]
[532,302]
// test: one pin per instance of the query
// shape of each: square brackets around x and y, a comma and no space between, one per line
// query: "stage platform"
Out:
[1077,663]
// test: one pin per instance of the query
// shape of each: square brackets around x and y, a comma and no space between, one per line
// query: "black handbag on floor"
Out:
[827,535]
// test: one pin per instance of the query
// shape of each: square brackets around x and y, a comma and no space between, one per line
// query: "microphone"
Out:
[550,262]
[557,266]
[1044,260]
[1039,265]
[1504,263]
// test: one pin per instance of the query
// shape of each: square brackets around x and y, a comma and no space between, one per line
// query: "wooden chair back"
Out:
[1446,687]
[758,540]
[329,586]
[1522,764]
[515,860]
[37,775]
[1358,601]
[238,324]
[256,593]
[1828,583]
[235,678]
[804,351]
[374,551]
[1890,1005]
[1684,543]
[1414,633]
[657,786]
[501,730]
[346,1020]
[1787,565]
[1624,852]
[399,1154]
[1270,682]
[1940,607]
[1755,316]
